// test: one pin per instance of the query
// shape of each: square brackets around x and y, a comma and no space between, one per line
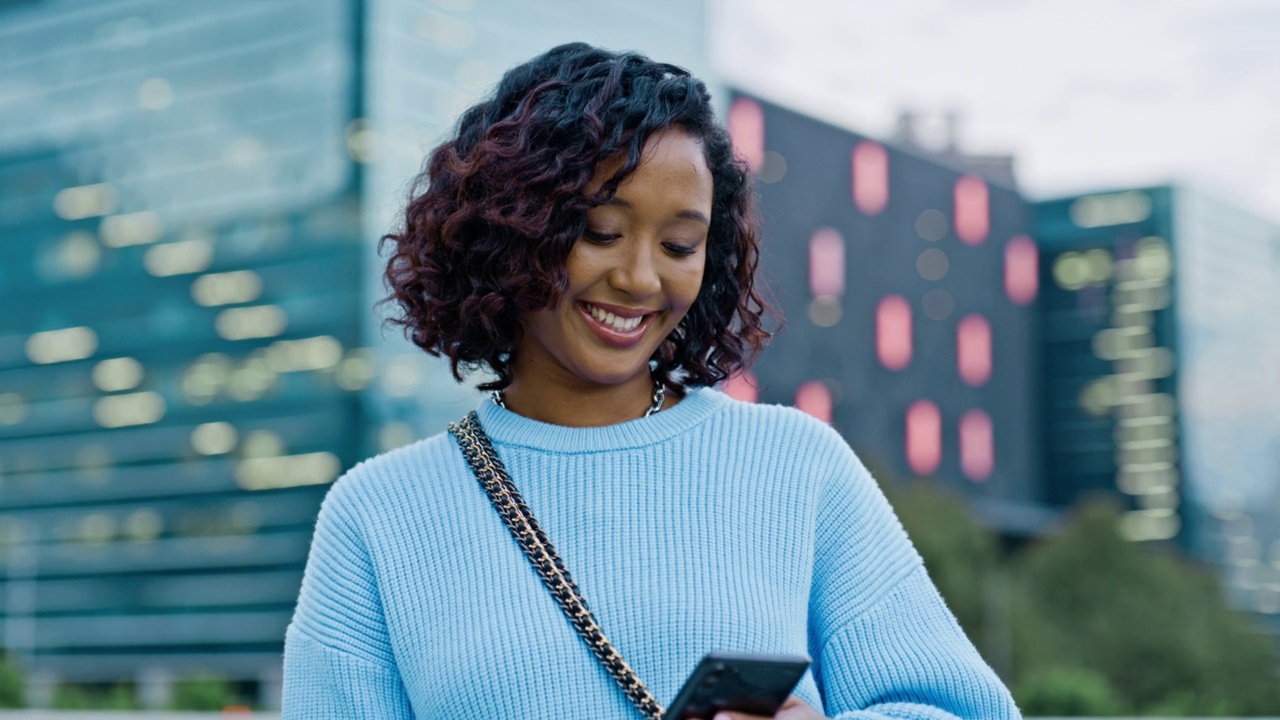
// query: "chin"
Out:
[604,372]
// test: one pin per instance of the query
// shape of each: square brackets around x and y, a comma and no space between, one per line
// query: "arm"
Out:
[908,658]
[884,643]
[338,660]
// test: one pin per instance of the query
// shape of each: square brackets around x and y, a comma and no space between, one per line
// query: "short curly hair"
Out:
[490,222]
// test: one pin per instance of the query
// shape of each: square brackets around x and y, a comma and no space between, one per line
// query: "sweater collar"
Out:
[508,428]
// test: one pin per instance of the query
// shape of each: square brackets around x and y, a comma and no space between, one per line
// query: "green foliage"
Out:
[958,553]
[12,685]
[1099,625]
[1152,626]
[1073,691]
[94,697]
[203,692]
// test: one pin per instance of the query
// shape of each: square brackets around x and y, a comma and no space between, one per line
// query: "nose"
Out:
[636,273]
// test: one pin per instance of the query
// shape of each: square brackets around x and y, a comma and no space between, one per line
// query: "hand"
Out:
[793,709]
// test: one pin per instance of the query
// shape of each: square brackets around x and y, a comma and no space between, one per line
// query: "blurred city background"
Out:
[1069,387]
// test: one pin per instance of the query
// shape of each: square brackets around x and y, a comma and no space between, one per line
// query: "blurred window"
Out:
[746,127]
[826,263]
[814,398]
[924,437]
[870,177]
[742,386]
[1021,270]
[972,209]
[973,350]
[977,446]
[893,332]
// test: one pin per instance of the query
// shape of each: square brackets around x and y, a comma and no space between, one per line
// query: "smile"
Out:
[620,327]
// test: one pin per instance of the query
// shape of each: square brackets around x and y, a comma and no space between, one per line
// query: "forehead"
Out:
[672,159]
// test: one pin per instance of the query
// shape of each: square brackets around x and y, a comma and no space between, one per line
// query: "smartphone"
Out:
[753,684]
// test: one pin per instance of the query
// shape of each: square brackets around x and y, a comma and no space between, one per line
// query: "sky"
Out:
[1086,94]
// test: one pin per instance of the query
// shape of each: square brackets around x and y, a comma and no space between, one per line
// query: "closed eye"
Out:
[600,237]
[681,250]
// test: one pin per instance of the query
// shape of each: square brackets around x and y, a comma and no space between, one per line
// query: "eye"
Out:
[600,237]
[680,250]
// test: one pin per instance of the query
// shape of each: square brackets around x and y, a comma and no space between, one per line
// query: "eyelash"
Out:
[599,237]
[605,239]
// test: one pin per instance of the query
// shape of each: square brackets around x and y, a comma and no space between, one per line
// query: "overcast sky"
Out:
[1087,94]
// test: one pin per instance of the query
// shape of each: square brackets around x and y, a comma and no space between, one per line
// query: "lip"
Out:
[611,336]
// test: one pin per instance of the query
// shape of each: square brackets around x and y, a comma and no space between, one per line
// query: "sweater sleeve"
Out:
[883,641]
[338,660]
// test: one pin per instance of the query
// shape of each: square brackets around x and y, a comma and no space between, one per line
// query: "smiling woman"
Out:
[630,282]
[590,240]
[587,160]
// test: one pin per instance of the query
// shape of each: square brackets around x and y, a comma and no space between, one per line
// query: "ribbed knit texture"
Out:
[712,525]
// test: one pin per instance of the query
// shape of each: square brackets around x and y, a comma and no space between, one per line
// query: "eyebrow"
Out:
[683,214]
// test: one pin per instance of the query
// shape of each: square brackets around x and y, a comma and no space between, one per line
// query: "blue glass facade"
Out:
[181,327]
[1109,335]
[1228,299]
[1159,306]
[190,198]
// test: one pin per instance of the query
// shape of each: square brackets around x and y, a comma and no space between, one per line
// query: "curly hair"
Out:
[490,221]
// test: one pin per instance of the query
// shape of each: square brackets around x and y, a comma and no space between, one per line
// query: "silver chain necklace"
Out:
[659,396]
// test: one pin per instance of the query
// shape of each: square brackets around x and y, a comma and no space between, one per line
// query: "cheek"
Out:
[685,286]
[582,268]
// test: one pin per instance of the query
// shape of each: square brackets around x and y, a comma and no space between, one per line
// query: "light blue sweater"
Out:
[712,525]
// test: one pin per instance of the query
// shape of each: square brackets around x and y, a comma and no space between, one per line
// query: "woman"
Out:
[589,239]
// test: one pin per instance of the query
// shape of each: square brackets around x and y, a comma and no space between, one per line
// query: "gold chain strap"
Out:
[497,484]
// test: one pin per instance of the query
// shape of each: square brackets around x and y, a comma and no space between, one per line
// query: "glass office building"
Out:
[190,198]
[908,287]
[1161,349]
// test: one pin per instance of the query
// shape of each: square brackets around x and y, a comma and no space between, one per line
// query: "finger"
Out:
[799,711]
[792,708]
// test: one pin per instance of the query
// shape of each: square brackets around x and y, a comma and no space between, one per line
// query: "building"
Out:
[1161,384]
[909,289]
[190,196]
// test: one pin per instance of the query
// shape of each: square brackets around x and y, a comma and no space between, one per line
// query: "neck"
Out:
[577,403]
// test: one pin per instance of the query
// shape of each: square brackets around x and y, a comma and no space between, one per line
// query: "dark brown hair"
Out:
[490,221]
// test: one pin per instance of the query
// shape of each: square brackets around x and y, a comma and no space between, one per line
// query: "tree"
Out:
[12,686]
[1154,627]
[960,555]
[204,692]
[1066,690]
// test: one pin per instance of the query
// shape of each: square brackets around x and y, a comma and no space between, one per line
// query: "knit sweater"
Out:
[712,525]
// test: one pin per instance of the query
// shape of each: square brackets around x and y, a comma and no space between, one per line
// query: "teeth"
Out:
[613,321]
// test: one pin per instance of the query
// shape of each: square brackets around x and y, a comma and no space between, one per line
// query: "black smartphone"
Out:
[753,684]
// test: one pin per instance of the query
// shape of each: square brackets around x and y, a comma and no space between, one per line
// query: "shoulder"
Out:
[391,479]
[779,428]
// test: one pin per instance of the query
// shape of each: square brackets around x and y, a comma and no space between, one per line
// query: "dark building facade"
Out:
[909,291]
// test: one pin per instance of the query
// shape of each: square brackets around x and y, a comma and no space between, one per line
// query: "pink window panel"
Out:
[973,350]
[742,386]
[893,332]
[746,127]
[826,263]
[1021,270]
[977,446]
[924,437]
[972,209]
[870,177]
[814,397]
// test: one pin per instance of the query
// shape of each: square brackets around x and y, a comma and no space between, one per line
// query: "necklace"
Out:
[659,395]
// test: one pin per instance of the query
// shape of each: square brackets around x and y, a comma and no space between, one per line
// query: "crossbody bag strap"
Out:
[506,499]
